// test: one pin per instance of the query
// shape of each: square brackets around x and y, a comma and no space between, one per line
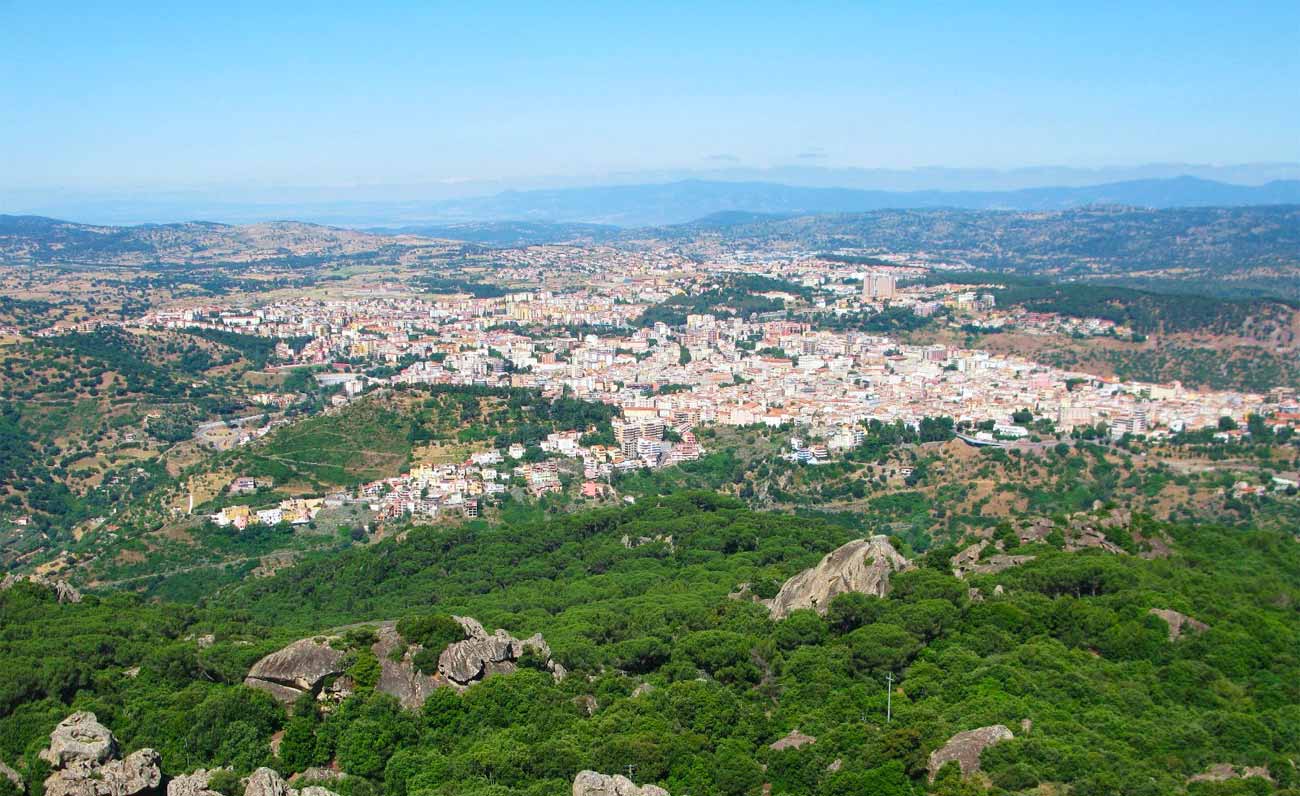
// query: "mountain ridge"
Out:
[656,203]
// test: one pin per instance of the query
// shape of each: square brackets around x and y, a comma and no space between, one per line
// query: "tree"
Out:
[735,771]
[298,746]
[881,647]
[799,628]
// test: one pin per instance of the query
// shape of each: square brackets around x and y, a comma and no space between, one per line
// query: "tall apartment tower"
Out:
[879,286]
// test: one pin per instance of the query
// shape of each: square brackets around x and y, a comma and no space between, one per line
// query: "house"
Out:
[270,516]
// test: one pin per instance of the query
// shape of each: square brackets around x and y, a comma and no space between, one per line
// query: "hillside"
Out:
[673,679]
[1246,344]
[47,240]
[1227,249]
[93,420]
[1243,250]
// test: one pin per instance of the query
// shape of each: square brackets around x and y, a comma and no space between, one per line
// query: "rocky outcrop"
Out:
[863,566]
[1179,623]
[80,740]
[971,561]
[794,740]
[267,782]
[13,776]
[587,704]
[664,539]
[1222,772]
[1085,530]
[318,774]
[195,784]
[84,757]
[307,666]
[482,654]
[299,668]
[400,677]
[590,783]
[65,592]
[138,772]
[965,749]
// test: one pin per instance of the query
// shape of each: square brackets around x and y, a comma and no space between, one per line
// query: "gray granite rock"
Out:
[965,749]
[863,566]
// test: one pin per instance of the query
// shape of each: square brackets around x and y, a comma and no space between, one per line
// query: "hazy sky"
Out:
[114,94]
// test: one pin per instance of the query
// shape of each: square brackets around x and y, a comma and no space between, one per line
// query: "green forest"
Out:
[1065,653]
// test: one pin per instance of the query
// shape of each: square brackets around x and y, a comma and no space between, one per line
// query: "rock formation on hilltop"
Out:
[590,783]
[305,666]
[863,565]
[84,757]
[965,749]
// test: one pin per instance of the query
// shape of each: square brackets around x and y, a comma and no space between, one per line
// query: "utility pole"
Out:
[889,696]
[631,769]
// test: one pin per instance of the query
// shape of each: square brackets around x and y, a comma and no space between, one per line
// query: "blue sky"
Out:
[100,95]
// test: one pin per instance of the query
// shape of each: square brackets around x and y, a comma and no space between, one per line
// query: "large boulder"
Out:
[295,670]
[590,783]
[479,654]
[266,782]
[863,565]
[80,740]
[965,749]
[1178,623]
[84,757]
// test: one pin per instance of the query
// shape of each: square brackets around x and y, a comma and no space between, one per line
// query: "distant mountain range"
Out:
[680,202]
[631,205]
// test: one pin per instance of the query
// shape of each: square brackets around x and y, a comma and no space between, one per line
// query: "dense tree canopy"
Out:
[1115,706]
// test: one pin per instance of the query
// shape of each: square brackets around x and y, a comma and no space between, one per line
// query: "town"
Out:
[791,363]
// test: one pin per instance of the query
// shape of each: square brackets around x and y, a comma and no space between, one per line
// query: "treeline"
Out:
[445,284]
[1144,312]
[733,295]
[890,320]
